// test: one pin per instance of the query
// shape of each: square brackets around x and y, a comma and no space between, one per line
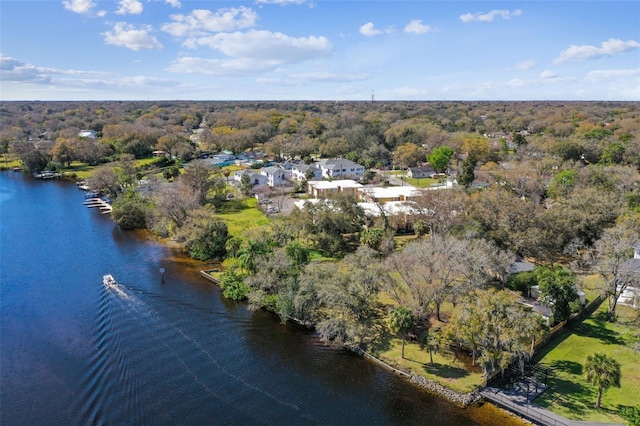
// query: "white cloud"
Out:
[546,74]
[133,38]
[369,30]
[488,17]
[328,77]
[201,21]
[235,66]
[79,6]
[173,3]
[527,65]
[610,47]
[267,46]
[417,27]
[129,7]
[597,76]
[12,69]
[301,79]
[281,2]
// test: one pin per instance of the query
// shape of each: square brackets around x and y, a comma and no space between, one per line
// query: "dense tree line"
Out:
[552,181]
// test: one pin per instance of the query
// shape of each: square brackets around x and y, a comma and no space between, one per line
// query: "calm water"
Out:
[148,352]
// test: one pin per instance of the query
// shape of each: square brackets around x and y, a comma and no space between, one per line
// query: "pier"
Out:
[100,204]
[46,174]
[207,274]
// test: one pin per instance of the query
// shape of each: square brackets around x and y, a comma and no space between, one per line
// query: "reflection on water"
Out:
[149,351]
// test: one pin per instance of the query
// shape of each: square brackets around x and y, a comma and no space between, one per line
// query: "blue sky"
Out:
[319,50]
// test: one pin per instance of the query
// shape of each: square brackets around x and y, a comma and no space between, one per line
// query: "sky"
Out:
[319,50]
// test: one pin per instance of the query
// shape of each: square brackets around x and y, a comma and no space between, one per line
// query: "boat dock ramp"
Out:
[100,204]
[46,174]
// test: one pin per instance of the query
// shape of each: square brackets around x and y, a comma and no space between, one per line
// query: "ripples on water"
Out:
[150,353]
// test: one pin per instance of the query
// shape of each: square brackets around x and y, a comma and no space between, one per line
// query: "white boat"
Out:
[108,280]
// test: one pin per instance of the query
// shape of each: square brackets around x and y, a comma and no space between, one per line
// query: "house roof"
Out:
[391,191]
[632,265]
[333,163]
[272,170]
[423,169]
[334,184]
[521,266]
[391,208]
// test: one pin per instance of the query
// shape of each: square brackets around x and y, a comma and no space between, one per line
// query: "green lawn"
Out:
[241,215]
[570,395]
[445,369]
[422,182]
[8,162]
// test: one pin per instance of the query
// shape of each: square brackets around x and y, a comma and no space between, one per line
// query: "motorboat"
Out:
[108,280]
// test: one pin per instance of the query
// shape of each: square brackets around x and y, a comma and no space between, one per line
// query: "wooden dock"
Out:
[100,204]
[207,275]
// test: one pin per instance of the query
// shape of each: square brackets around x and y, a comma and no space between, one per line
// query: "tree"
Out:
[612,154]
[63,151]
[609,258]
[176,201]
[558,291]
[562,183]
[492,322]
[401,321]
[408,155]
[440,157]
[127,165]
[348,297]
[206,237]
[519,139]
[130,212]
[104,179]
[172,143]
[197,177]
[468,175]
[602,371]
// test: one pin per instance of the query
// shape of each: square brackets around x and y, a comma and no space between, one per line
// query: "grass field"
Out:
[422,182]
[241,215]
[570,394]
[446,369]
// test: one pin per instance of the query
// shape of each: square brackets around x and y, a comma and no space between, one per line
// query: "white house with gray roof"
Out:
[340,168]
[275,175]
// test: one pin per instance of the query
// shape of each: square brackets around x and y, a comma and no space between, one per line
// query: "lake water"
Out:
[150,352]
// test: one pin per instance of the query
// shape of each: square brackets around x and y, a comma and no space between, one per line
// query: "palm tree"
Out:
[603,372]
[401,321]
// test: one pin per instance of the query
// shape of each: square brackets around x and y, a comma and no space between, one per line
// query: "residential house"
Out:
[389,193]
[299,172]
[340,168]
[420,172]
[322,188]
[275,175]
[91,134]
[631,295]
[255,178]
[400,215]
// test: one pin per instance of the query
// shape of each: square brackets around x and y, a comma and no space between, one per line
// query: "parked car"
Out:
[273,209]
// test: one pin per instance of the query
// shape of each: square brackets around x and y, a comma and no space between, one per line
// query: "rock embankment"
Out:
[462,399]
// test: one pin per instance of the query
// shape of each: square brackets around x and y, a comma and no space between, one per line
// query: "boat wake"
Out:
[141,347]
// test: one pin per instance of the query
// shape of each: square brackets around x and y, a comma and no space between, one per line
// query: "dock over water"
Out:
[99,203]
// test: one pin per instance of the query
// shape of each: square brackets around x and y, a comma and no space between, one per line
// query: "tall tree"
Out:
[440,157]
[610,259]
[602,371]
[401,321]
[468,174]
[558,291]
